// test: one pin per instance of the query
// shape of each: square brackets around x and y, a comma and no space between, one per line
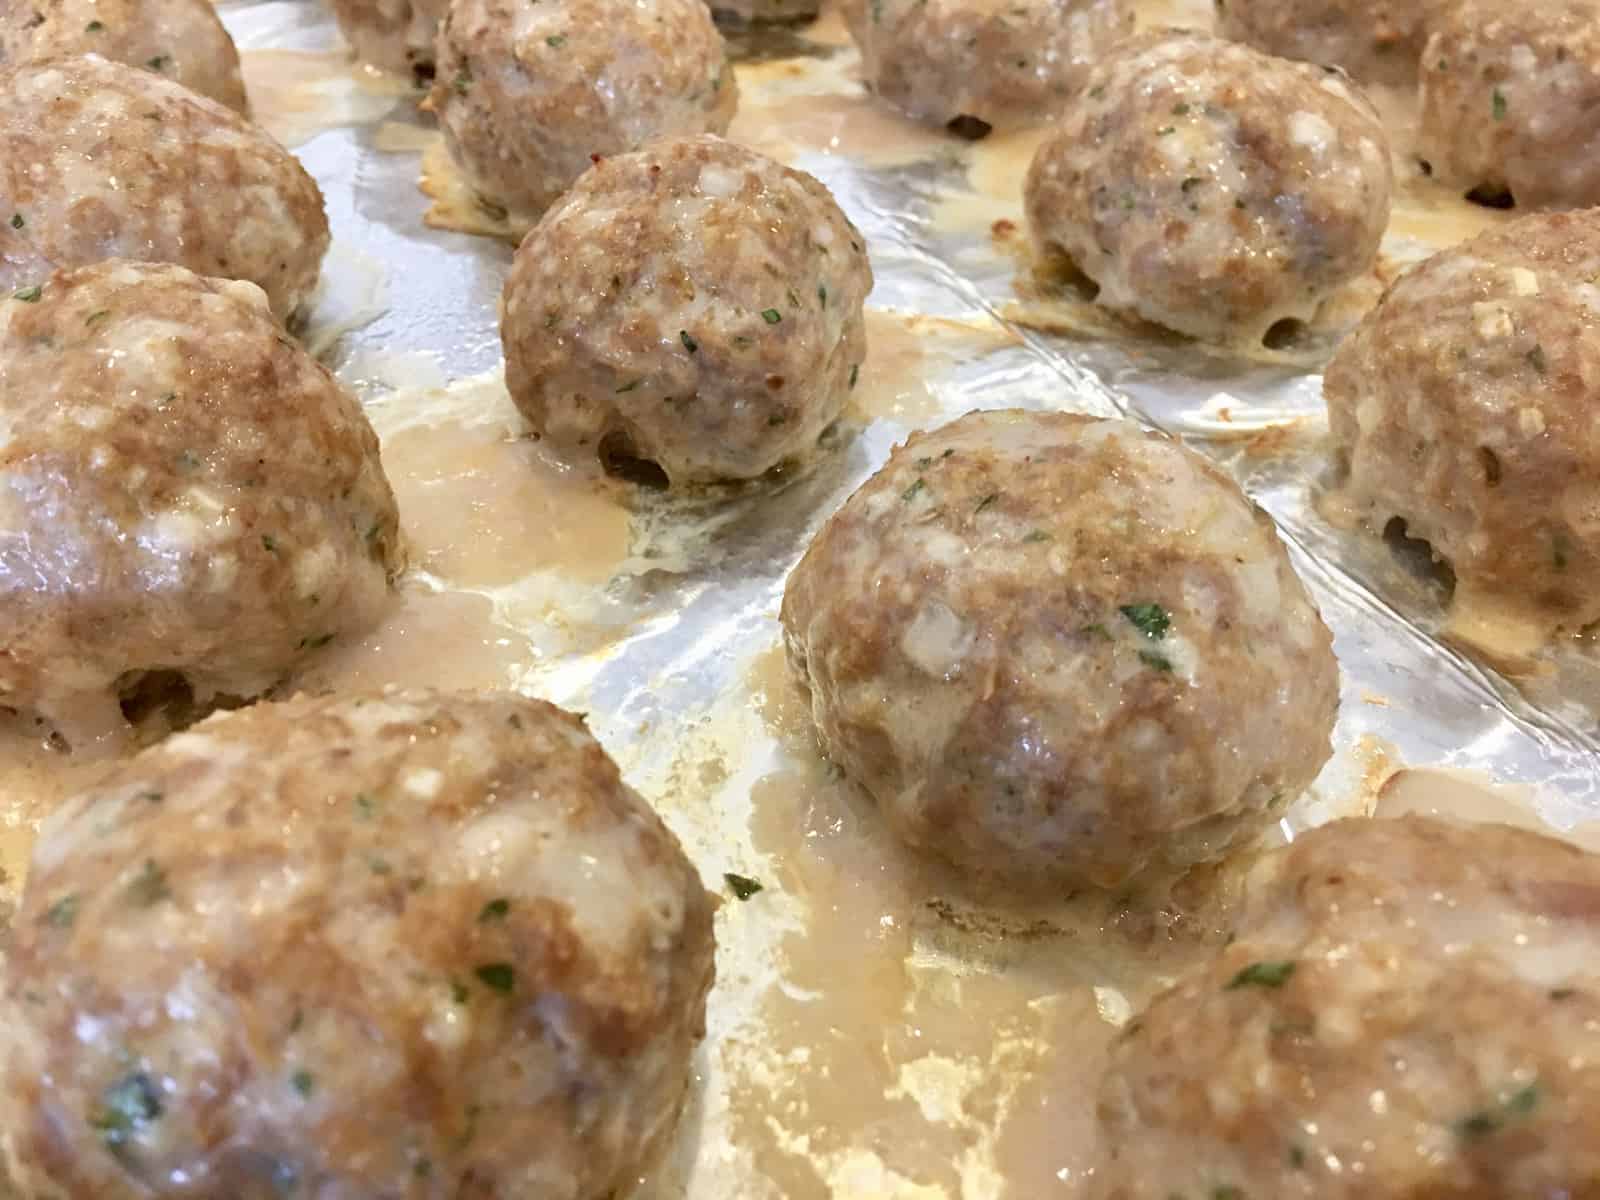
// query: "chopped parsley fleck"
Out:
[16,221]
[985,502]
[822,294]
[771,316]
[303,1082]
[379,866]
[855,373]
[499,976]
[1037,535]
[269,543]
[94,27]
[366,805]
[149,887]
[556,40]
[1536,359]
[1158,662]
[1523,1100]
[1165,130]
[28,295]
[98,315]
[1097,631]
[1262,974]
[1149,619]
[127,1106]
[159,62]
[911,492]
[297,1021]
[458,991]
[315,643]
[1226,1192]
[495,910]
[1297,1158]
[463,80]
[1498,105]
[63,912]
[742,886]
[628,387]
[1478,1125]
[688,341]
[1181,109]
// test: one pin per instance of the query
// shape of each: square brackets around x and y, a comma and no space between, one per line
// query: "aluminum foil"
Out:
[671,649]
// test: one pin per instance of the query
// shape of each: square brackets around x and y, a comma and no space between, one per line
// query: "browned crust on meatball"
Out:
[1378,41]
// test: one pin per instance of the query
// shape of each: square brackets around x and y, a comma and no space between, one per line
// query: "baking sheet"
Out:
[876,1030]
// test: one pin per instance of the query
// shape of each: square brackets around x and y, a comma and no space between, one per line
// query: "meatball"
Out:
[1411,1008]
[182,40]
[695,304]
[1509,95]
[530,92]
[396,35]
[1378,41]
[1463,406]
[183,489]
[1210,188]
[975,65]
[100,160]
[404,944]
[1060,649]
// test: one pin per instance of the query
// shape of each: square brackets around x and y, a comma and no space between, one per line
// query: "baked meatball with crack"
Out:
[101,160]
[185,491]
[530,92]
[406,944]
[977,65]
[1509,95]
[1463,406]
[1410,1008]
[1377,41]
[695,304]
[1210,188]
[395,35]
[182,40]
[1061,650]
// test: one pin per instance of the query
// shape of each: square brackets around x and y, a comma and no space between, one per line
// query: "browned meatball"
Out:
[397,35]
[1463,406]
[1058,649]
[1410,1009]
[182,40]
[184,489]
[1509,96]
[394,945]
[1210,188]
[695,304]
[978,64]
[100,160]
[529,92]
[1378,41]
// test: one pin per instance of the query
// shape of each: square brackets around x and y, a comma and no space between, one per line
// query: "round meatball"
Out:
[100,160]
[974,65]
[1410,1008]
[396,35]
[1060,649]
[182,40]
[1378,41]
[1463,405]
[695,304]
[530,92]
[1210,188]
[1509,95]
[184,490]
[405,944]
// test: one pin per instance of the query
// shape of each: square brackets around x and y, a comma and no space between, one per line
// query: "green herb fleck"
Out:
[855,373]
[1297,1158]
[495,910]
[1166,129]
[771,316]
[366,805]
[1498,104]
[628,387]
[127,1106]
[269,543]
[458,991]
[1536,359]
[499,976]
[911,492]
[159,62]
[423,1169]
[16,221]
[28,295]
[1159,662]
[1181,109]
[822,294]
[742,886]
[379,865]
[1476,1126]
[1226,1192]
[689,343]
[1262,974]
[556,40]
[1037,535]
[1150,619]
[1097,631]
[94,27]
[1523,1101]
[303,1082]
[63,912]
[297,1021]
[94,318]
[985,502]
[317,642]
[463,80]
[149,888]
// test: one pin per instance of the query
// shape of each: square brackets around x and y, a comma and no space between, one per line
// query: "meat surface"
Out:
[396,35]
[406,944]
[181,40]
[183,489]
[1509,96]
[1463,406]
[101,160]
[529,92]
[1060,650]
[695,304]
[1377,41]
[1210,188]
[980,64]
[1410,1008]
